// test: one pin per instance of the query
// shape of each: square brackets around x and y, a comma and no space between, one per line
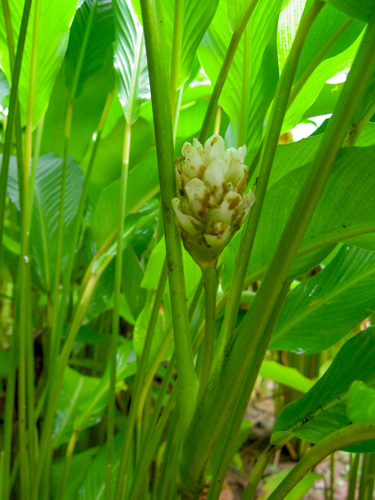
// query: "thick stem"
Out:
[335,441]
[165,152]
[116,311]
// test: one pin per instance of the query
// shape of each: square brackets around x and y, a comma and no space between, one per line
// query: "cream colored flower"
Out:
[211,205]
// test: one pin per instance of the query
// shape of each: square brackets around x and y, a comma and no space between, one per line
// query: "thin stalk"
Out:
[317,60]
[267,156]
[332,476]
[38,140]
[165,152]
[335,441]
[210,288]
[26,354]
[224,70]
[258,471]
[12,114]
[178,28]
[370,477]
[244,113]
[353,474]
[140,377]
[219,112]
[68,459]
[245,351]
[357,128]
[116,311]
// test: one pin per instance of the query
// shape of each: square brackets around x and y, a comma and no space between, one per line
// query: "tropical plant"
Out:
[128,128]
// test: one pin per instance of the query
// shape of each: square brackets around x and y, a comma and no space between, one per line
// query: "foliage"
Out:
[126,369]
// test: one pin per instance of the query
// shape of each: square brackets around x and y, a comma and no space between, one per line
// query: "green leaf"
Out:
[88,107]
[130,60]
[82,399]
[346,207]
[359,10]
[93,486]
[360,407]
[52,43]
[132,275]
[77,472]
[197,16]
[109,154]
[44,222]
[4,86]
[310,91]
[322,310]
[100,38]
[262,73]
[322,410]
[285,375]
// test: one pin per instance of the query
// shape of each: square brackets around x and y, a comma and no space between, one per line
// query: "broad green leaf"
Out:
[322,410]
[100,32]
[44,222]
[346,207]
[298,492]
[82,399]
[197,16]
[289,20]
[77,472]
[130,60]
[52,43]
[322,310]
[360,407]
[261,74]
[285,375]
[310,91]
[359,10]
[328,22]
[326,101]
[141,189]
[75,388]
[93,486]
[107,167]
[87,109]
[132,275]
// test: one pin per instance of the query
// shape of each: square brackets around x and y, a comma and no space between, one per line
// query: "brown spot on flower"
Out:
[233,202]
[214,140]
[201,171]
[241,185]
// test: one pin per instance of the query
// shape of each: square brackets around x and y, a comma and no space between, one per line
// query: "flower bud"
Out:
[211,205]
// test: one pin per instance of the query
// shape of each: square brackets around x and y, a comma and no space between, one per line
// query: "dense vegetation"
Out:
[143,297]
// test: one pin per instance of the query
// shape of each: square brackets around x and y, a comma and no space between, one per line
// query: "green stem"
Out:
[178,28]
[267,156]
[12,116]
[233,428]
[68,459]
[244,113]
[165,152]
[139,383]
[116,311]
[357,128]
[335,441]
[224,70]
[245,351]
[258,471]
[317,60]
[210,288]
[353,474]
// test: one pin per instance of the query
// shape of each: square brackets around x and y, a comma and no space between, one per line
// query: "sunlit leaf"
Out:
[51,46]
